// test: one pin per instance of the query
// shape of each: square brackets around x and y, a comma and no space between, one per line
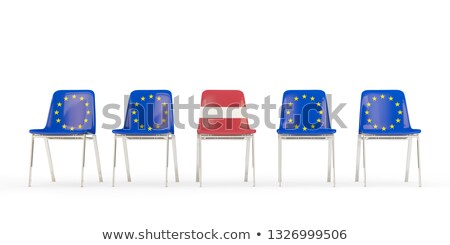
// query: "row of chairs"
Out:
[149,115]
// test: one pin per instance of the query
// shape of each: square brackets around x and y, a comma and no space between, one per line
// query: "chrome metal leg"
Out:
[200,177]
[364,160]
[97,158]
[247,158]
[280,158]
[418,163]
[114,164]
[127,161]
[329,160]
[358,158]
[408,159]
[253,160]
[197,178]
[31,160]
[84,159]
[49,157]
[334,165]
[175,158]
[167,160]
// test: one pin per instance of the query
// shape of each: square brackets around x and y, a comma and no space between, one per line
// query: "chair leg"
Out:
[364,160]
[114,163]
[253,160]
[247,159]
[408,159]
[200,175]
[31,161]
[167,160]
[49,158]
[329,160]
[175,158]
[83,160]
[280,155]
[418,163]
[334,165]
[358,158]
[97,158]
[197,178]
[127,160]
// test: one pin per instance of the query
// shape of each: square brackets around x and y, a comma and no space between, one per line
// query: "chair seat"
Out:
[396,132]
[307,132]
[58,132]
[222,131]
[225,126]
[142,132]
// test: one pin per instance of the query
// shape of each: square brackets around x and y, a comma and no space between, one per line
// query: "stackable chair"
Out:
[384,115]
[304,116]
[71,116]
[149,116]
[222,118]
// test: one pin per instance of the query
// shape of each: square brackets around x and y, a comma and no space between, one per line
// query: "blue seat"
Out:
[149,115]
[384,115]
[305,115]
[71,116]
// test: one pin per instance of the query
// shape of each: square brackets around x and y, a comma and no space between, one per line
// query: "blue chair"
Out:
[304,115]
[384,115]
[149,116]
[71,116]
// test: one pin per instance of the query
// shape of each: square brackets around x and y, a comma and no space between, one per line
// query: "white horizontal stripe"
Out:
[222,112]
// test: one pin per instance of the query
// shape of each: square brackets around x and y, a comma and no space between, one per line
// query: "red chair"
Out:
[222,118]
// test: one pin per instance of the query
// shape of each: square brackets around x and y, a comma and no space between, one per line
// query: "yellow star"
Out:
[400,112]
[374,98]
[136,120]
[151,96]
[142,126]
[164,104]
[320,112]
[397,104]
[296,98]
[304,128]
[80,126]
[166,112]
[318,103]
[392,126]
[290,103]
[58,120]
[368,104]
[149,128]
[66,99]
[398,120]
[313,126]
[158,98]
[59,104]
[391,98]
[296,126]
[64,126]
[56,112]
[86,120]
[143,98]
[312,98]
[383,128]
[163,120]
[74,96]
[133,112]
[81,98]
[304,96]
[157,126]
[88,112]
[72,128]
[318,120]
[290,120]
[367,112]
[375,126]
[382,96]
[136,104]
[86,104]
[369,120]
[288,112]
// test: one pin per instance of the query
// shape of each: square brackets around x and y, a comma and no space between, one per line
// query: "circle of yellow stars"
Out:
[59,105]
[374,99]
[151,97]
[303,97]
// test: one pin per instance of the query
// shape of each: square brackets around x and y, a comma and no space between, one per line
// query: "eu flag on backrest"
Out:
[149,112]
[384,112]
[305,112]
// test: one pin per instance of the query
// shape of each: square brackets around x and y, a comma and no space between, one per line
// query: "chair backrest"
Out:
[72,110]
[383,111]
[304,110]
[225,109]
[149,110]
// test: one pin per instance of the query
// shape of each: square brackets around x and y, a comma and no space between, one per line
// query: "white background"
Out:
[259,47]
